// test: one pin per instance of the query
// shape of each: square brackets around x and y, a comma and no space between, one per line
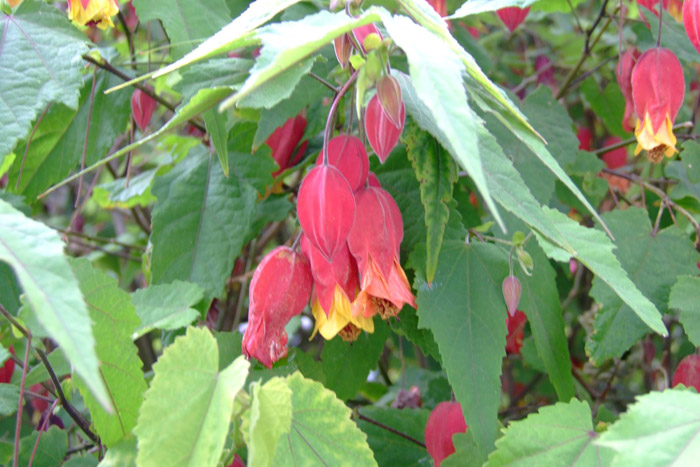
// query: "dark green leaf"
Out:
[685,296]
[51,450]
[9,399]
[608,104]
[389,448]
[216,127]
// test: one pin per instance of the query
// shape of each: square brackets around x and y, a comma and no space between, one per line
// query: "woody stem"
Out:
[332,112]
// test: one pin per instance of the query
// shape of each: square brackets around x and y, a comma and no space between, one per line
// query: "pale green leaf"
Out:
[215,73]
[9,399]
[559,434]
[660,429]
[40,63]
[322,432]
[120,366]
[273,91]
[35,252]
[116,194]
[269,417]
[464,309]
[186,412]
[166,306]
[51,450]
[199,223]
[216,127]
[390,448]
[685,296]
[187,23]
[122,454]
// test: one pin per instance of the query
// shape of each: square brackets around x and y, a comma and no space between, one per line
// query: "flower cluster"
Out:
[351,227]
[93,12]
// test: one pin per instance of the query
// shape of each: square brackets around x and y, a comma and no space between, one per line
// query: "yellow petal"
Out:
[339,316]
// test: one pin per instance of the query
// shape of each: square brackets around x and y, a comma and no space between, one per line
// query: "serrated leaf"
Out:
[166,306]
[436,75]
[40,63]
[287,44]
[461,308]
[57,145]
[540,302]
[216,127]
[436,174]
[269,417]
[120,366]
[559,434]
[9,399]
[199,223]
[321,429]
[389,448]
[653,262]
[346,365]
[196,409]
[185,22]
[35,252]
[594,249]
[51,450]
[116,194]
[661,428]
[685,296]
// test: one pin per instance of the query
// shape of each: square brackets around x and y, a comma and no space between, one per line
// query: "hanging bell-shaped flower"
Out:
[284,140]
[381,132]
[691,21]
[347,154]
[444,421]
[623,72]
[512,16]
[142,107]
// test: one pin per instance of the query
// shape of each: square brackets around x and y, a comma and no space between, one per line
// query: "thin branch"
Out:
[111,241]
[323,82]
[18,423]
[42,428]
[390,429]
[633,139]
[331,114]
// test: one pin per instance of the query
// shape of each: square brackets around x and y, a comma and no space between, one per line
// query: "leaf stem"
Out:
[20,407]
[388,428]
[332,112]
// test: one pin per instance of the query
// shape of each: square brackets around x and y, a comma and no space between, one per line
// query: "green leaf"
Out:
[594,249]
[255,169]
[9,399]
[9,289]
[559,434]
[59,364]
[473,7]
[215,73]
[122,454]
[389,448]
[273,91]
[185,22]
[114,322]
[408,326]
[436,174]
[608,104]
[116,194]
[653,262]
[51,450]
[199,222]
[687,171]
[234,34]
[269,417]
[288,43]
[465,454]
[40,63]
[166,306]
[436,75]
[346,365]
[81,460]
[57,145]
[462,309]
[661,428]
[540,302]
[216,127]
[321,430]
[184,420]
[685,296]
[673,36]
[35,252]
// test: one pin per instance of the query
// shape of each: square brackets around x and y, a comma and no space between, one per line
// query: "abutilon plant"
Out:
[93,12]
[284,140]
[444,421]
[516,331]
[511,293]
[7,368]
[623,72]
[279,290]
[382,133]
[512,16]
[691,22]
[365,31]
[347,154]
[658,89]
[142,108]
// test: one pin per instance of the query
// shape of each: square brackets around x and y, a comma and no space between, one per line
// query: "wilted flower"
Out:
[512,16]
[93,12]
[658,89]
[279,290]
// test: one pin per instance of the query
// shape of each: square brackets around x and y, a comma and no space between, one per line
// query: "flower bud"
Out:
[382,134]
[142,107]
[444,421]
[516,326]
[284,140]
[279,290]
[389,93]
[511,293]
[512,16]
[347,154]
[326,209]
[343,48]
[691,21]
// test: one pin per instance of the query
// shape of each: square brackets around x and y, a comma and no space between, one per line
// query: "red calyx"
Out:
[347,154]
[142,107]
[284,140]
[8,368]
[585,139]
[512,16]
[691,21]
[445,420]
[326,209]
[362,32]
[623,72]
[516,329]
[688,372]
[382,134]
[279,290]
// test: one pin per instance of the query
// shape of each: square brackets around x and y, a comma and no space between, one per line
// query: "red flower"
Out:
[284,140]
[516,328]
[688,372]
[623,71]
[347,154]
[658,89]
[440,6]
[585,138]
[142,107]
[512,16]
[382,133]
[7,368]
[444,421]
[691,21]
[279,290]
[374,241]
